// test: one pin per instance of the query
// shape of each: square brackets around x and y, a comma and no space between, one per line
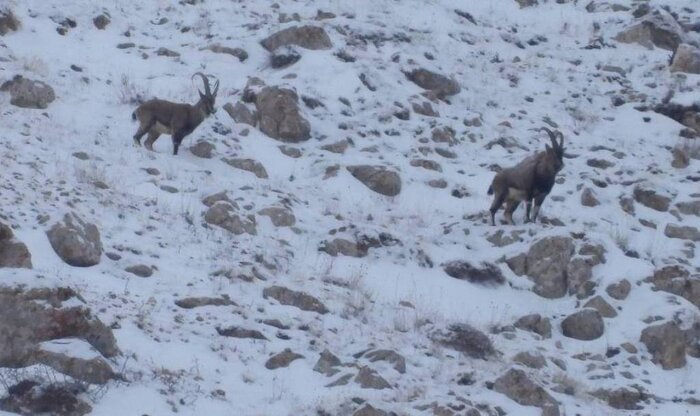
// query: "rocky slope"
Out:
[321,246]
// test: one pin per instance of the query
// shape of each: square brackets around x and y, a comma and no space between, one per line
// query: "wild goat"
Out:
[158,117]
[533,178]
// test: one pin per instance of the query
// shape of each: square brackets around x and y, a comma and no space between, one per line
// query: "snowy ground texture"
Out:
[518,68]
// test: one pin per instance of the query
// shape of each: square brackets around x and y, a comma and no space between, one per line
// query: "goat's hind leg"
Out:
[538,203]
[498,200]
[511,206]
[143,129]
[152,137]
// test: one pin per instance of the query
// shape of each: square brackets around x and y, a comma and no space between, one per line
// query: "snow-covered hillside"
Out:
[257,276]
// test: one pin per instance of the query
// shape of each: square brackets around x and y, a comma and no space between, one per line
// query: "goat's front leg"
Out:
[538,203]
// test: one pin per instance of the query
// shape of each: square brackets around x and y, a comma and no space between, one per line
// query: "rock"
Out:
[584,325]
[467,340]
[368,378]
[282,359]
[619,290]
[377,178]
[140,270]
[308,37]
[526,3]
[546,265]
[440,85]
[389,356]
[218,197]
[29,398]
[689,207]
[249,165]
[326,364]
[300,300]
[657,28]
[425,109]
[50,320]
[196,302]
[239,53]
[337,147]
[292,152]
[681,159]
[203,149]
[682,232]
[535,323]
[223,214]
[279,115]
[280,217]
[666,344]
[75,241]
[13,253]
[517,386]
[677,280]
[686,59]
[368,410]
[238,332]
[530,359]
[649,198]
[426,164]
[101,21]
[485,274]
[284,56]
[588,198]
[240,113]
[603,307]
[625,399]
[343,247]
[94,370]
[28,93]
[8,22]
[579,273]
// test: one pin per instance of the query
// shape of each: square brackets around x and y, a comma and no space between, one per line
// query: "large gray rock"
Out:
[300,300]
[467,340]
[27,93]
[249,165]
[584,325]
[686,59]
[280,217]
[517,386]
[13,253]
[677,280]
[279,115]
[8,22]
[377,178]
[682,232]
[650,198]
[535,323]
[657,28]
[546,264]
[368,378]
[486,273]
[240,113]
[666,343]
[224,214]
[439,84]
[75,241]
[308,37]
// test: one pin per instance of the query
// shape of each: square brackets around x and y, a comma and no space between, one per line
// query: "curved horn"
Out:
[216,87]
[561,139]
[552,136]
[207,92]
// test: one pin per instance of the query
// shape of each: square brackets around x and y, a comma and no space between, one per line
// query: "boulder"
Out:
[438,84]
[377,178]
[240,113]
[279,115]
[682,232]
[282,359]
[224,214]
[8,22]
[467,340]
[13,253]
[677,280]
[588,198]
[280,217]
[203,149]
[666,343]
[517,386]
[308,37]
[327,363]
[530,359]
[584,325]
[657,28]
[28,93]
[249,165]
[619,290]
[284,56]
[31,398]
[101,21]
[486,273]
[651,199]
[368,378]
[300,300]
[546,264]
[75,241]
[535,323]
[602,306]
[686,59]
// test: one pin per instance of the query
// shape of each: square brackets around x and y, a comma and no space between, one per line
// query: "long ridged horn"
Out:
[552,136]
[216,88]
[207,91]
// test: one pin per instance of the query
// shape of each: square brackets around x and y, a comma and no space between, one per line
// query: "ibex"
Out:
[158,117]
[533,178]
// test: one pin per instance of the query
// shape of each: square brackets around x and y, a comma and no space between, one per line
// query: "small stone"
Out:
[282,359]
[368,378]
[140,270]
[619,290]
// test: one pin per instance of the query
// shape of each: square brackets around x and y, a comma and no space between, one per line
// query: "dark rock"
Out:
[300,300]
[517,386]
[282,359]
[377,178]
[584,325]
[75,241]
[13,253]
[28,93]
[535,323]
[284,56]
[308,37]
[666,343]
[467,340]
[486,273]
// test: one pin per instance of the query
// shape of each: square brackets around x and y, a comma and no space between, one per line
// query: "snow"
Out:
[174,359]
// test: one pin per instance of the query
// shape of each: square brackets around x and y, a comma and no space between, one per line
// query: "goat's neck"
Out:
[199,113]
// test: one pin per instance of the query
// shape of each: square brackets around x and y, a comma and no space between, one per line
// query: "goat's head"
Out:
[207,98]
[555,152]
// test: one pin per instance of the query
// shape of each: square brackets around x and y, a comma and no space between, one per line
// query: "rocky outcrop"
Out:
[517,386]
[27,93]
[677,280]
[467,340]
[666,343]
[13,253]
[300,300]
[686,59]
[657,28]
[279,115]
[439,85]
[224,214]
[75,241]
[486,274]
[377,178]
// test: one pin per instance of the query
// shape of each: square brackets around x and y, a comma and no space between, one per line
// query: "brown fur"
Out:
[158,117]
[533,178]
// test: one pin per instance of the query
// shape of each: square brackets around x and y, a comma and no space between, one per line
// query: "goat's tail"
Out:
[490,191]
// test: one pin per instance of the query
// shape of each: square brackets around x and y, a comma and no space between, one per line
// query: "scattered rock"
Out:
[238,332]
[167,52]
[517,386]
[196,302]
[530,359]
[584,325]
[602,306]
[284,56]
[249,165]
[438,84]
[8,22]
[526,3]
[425,109]
[535,323]
[300,300]
[75,241]
[683,232]
[588,198]
[486,273]
[308,37]
[666,343]
[389,356]
[619,290]
[282,359]
[368,378]
[223,214]
[13,253]
[377,178]
[203,149]
[280,217]
[101,21]
[140,270]
[467,340]
[651,199]
[327,363]
[28,93]
[689,207]
[344,247]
